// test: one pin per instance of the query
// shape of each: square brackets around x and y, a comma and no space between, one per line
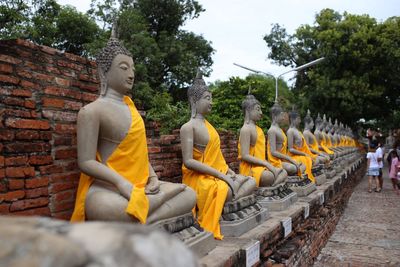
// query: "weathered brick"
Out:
[21,92]
[33,212]
[50,169]
[89,97]
[61,128]
[60,115]
[53,70]
[36,182]
[37,192]
[30,85]
[27,147]
[53,102]
[27,135]
[45,135]
[64,140]
[24,74]
[72,105]
[67,153]
[20,172]
[62,82]
[2,175]
[48,50]
[42,77]
[61,206]
[6,135]
[70,65]
[57,91]
[13,101]
[61,186]
[64,196]
[27,124]
[18,113]
[12,195]
[30,104]
[29,203]
[8,79]
[14,184]
[64,177]
[1,161]
[63,215]
[25,43]
[4,208]
[6,68]
[16,161]
[9,59]
[40,159]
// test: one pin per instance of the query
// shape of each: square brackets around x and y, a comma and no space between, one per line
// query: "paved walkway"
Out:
[368,233]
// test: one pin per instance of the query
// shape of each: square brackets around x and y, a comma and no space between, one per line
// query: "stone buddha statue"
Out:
[251,148]
[277,145]
[312,140]
[297,145]
[321,136]
[204,168]
[118,182]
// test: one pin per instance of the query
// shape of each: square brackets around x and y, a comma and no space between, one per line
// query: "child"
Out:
[373,168]
[394,170]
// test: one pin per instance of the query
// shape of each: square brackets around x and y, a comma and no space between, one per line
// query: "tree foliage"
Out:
[358,79]
[228,96]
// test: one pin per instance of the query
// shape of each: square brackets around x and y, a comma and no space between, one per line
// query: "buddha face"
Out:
[204,104]
[255,114]
[121,75]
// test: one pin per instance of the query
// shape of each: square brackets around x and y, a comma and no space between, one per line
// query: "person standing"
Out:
[380,154]
[394,170]
[373,168]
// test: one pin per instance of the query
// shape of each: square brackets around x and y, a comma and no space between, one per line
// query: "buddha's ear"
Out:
[103,81]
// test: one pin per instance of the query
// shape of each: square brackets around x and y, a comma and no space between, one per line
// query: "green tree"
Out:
[227,111]
[359,76]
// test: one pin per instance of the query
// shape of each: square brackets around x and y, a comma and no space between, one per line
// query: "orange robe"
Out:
[324,146]
[211,192]
[257,151]
[277,162]
[130,160]
[306,160]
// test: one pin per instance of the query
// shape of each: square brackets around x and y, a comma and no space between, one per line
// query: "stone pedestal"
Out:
[276,198]
[189,232]
[320,179]
[302,187]
[241,215]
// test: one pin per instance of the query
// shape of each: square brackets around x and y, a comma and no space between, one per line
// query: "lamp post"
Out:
[309,64]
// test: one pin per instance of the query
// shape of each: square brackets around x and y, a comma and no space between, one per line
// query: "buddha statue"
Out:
[204,168]
[297,146]
[312,140]
[277,145]
[118,182]
[321,136]
[251,148]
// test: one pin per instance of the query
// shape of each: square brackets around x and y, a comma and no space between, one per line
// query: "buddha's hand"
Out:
[228,179]
[125,188]
[153,186]
[275,172]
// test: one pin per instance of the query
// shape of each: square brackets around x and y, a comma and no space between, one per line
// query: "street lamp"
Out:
[309,64]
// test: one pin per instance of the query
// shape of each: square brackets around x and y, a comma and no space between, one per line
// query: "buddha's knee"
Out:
[267,178]
[282,176]
[302,168]
[189,197]
[290,168]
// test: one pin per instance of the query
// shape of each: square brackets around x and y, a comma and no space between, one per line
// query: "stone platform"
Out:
[292,249]
[302,187]
[276,198]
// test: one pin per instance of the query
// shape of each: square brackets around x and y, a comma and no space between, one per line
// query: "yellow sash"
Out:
[277,162]
[323,144]
[257,151]
[314,145]
[130,160]
[211,191]
[306,160]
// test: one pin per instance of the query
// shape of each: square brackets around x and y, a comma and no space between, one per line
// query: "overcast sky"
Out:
[236,27]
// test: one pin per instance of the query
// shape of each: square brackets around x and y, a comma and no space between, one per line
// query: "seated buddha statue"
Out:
[118,182]
[277,145]
[297,145]
[312,140]
[251,148]
[204,167]
[321,136]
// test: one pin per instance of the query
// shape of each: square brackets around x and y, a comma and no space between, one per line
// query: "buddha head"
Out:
[115,66]
[277,113]
[294,118]
[308,121]
[251,109]
[325,124]
[200,97]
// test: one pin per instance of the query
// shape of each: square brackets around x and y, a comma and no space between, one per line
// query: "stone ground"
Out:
[368,233]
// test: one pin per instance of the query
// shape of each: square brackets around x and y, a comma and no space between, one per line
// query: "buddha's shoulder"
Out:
[188,126]
[92,109]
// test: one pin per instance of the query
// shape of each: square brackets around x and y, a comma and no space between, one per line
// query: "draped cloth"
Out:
[257,151]
[324,145]
[211,192]
[130,160]
[306,160]
[277,162]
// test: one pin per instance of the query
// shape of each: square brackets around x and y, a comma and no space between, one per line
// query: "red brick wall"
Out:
[41,91]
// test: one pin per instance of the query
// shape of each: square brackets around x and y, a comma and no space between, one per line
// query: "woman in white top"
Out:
[373,168]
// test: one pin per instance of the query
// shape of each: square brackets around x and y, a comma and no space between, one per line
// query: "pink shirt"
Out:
[393,168]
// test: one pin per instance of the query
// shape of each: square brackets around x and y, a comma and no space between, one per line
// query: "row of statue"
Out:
[118,182]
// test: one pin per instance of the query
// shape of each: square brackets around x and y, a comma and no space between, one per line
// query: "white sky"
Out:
[236,27]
